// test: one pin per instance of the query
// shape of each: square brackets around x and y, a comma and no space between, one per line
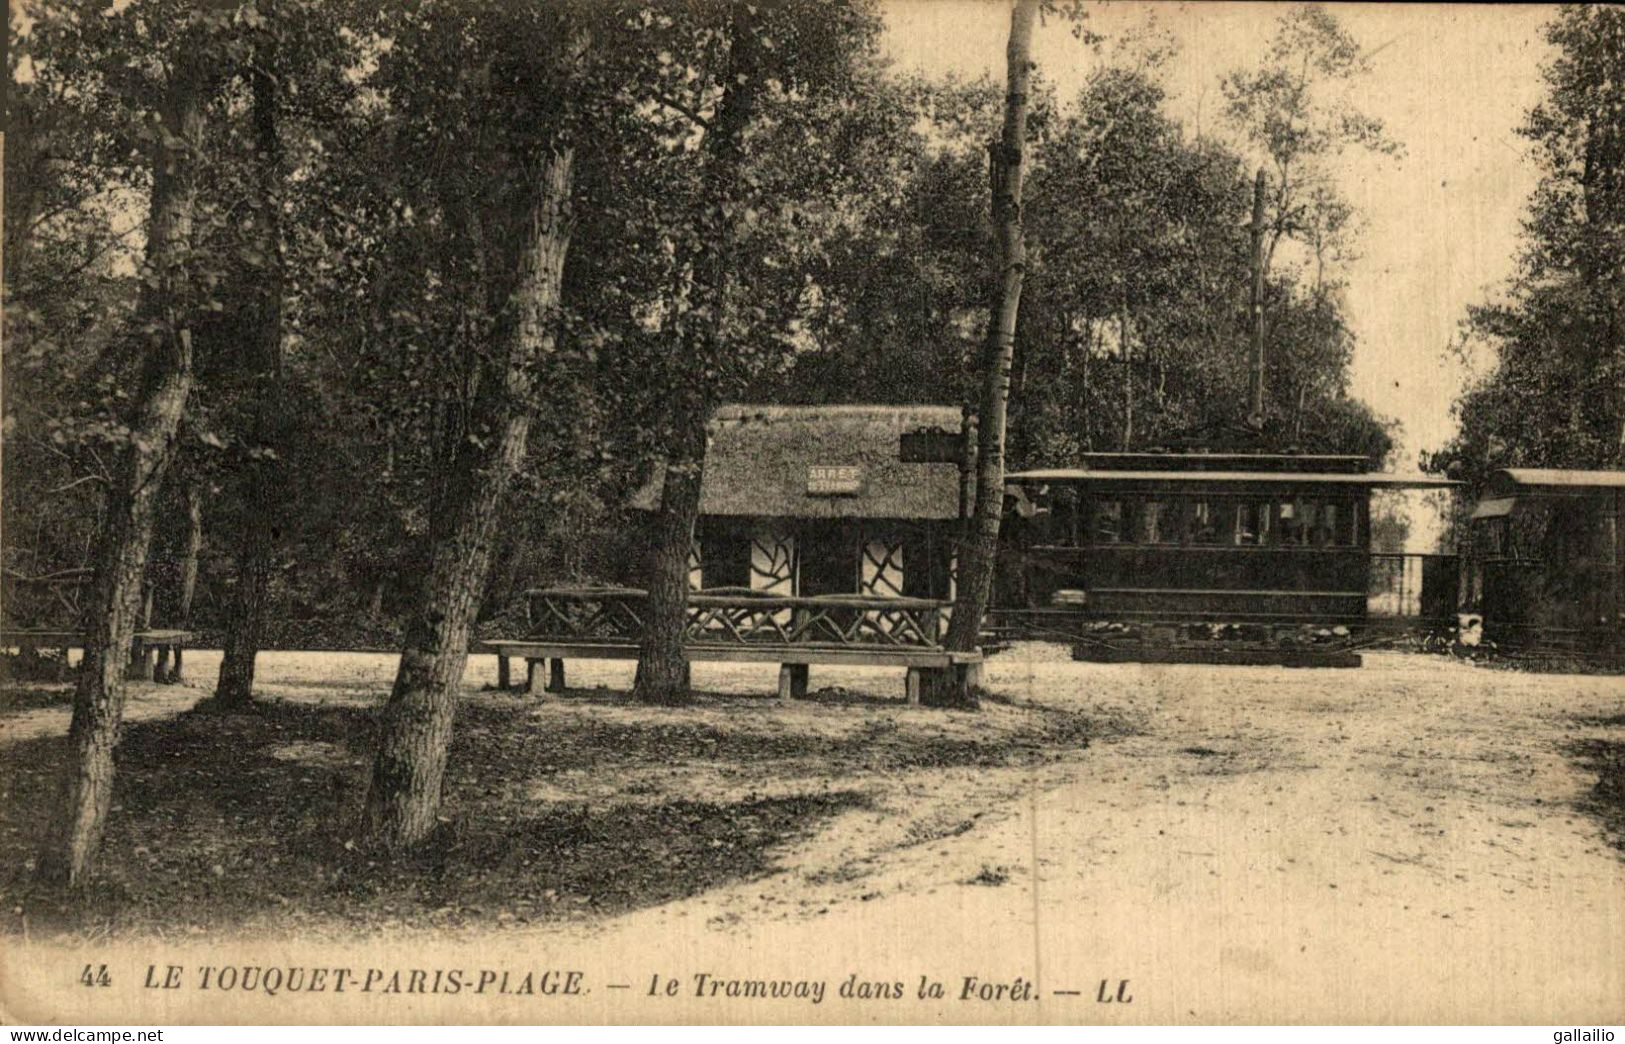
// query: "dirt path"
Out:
[1399,843]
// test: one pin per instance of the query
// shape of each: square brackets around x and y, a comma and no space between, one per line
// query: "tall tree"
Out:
[1551,346]
[1294,108]
[759,65]
[1006,163]
[522,68]
[662,672]
[160,340]
[262,475]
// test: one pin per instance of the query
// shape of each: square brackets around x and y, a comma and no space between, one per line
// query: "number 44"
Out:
[95,975]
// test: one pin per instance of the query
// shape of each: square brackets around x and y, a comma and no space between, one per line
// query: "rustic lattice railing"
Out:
[739,617]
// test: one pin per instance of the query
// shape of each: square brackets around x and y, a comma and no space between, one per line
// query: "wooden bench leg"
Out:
[139,668]
[972,675]
[555,675]
[793,681]
[175,675]
[533,677]
[913,683]
[160,666]
[504,673]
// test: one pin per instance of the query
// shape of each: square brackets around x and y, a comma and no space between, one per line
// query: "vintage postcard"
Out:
[813,512]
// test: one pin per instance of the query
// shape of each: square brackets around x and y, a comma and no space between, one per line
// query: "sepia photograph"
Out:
[812,512]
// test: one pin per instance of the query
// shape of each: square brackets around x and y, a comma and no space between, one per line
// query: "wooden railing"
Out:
[736,616]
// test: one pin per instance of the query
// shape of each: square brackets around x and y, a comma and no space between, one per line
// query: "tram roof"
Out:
[1317,463]
[1115,476]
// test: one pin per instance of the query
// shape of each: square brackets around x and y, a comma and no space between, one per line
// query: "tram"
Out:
[1205,557]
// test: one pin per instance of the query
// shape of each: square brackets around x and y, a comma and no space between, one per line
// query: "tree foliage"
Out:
[859,233]
[1551,343]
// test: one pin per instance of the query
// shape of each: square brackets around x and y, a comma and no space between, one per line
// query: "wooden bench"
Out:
[150,651]
[794,660]
[741,626]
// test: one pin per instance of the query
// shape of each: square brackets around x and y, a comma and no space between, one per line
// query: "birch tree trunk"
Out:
[166,380]
[256,540]
[403,802]
[978,556]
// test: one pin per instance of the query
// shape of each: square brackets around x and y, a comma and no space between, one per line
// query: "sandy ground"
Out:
[1400,843]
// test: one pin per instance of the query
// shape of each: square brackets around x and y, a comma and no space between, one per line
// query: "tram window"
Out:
[1065,529]
[1157,523]
[1324,531]
[1204,524]
[1292,528]
[1344,532]
[1129,524]
[1108,522]
[1252,522]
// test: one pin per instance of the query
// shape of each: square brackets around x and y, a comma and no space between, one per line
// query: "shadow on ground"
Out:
[1606,758]
[246,821]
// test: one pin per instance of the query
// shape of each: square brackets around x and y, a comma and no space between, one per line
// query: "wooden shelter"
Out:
[828,500]
[1548,561]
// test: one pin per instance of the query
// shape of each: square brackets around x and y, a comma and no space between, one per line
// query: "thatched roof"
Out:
[770,462]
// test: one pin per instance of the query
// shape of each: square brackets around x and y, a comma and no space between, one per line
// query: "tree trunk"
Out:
[1128,380]
[1086,408]
[1255,381]
[262,475]
[186,582]
[114,601]
[403,802]
[662,674]
[979,554]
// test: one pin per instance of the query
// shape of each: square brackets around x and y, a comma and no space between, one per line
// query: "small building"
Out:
[828,500]
[1548,557]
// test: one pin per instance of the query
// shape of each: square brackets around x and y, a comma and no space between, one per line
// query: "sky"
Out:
[1452,83]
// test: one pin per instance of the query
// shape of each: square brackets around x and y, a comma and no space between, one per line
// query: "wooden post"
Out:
[136,669]
[912,684]
[175,676]
[793,681]
[533,677]
[504,672]
[160,665]
[555,675]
